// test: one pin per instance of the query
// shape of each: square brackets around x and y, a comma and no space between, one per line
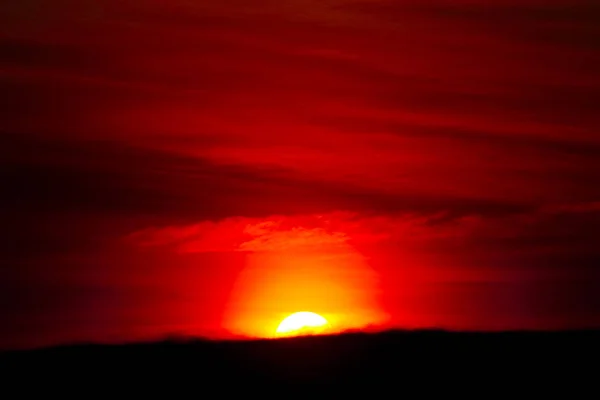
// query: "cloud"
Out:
[404,108]
[589,207]
[275,233]
[560,228]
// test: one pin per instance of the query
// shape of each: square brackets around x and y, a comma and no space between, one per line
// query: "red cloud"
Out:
[297,232]
[277,233]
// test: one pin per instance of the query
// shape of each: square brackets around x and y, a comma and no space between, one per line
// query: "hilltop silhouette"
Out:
[396,360]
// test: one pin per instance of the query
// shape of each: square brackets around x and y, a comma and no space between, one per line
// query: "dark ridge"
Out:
[396,360]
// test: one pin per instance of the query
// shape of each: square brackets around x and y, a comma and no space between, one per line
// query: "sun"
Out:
[302,323]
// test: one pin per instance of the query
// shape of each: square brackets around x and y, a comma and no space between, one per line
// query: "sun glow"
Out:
[334,282]
[302,323]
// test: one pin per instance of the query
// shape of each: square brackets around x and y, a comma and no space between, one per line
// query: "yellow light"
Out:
[301,323]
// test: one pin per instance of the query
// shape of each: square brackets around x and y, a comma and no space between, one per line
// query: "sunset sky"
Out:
[196,167]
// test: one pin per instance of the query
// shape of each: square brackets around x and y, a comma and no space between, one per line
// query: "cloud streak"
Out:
[425,100]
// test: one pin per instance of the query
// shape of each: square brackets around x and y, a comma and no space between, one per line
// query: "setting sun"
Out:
[301,323]
[326,287]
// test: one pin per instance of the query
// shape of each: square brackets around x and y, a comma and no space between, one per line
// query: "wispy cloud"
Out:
[250,110]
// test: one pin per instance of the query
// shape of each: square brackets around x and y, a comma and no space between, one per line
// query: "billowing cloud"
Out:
[559,228]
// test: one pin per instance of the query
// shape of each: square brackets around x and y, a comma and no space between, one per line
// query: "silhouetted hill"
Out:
[485,363]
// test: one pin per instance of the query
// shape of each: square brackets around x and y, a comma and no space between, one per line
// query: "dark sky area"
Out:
[153,152]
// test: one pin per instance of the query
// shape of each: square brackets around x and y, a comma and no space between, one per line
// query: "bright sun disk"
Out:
[303,322]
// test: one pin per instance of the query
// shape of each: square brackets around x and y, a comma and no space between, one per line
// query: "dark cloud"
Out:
[191,111]
[45,176]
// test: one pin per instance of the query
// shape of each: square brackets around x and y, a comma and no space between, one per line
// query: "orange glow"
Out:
[302,323]
[333,282]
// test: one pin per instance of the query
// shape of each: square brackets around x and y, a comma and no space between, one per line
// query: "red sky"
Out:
[442,155]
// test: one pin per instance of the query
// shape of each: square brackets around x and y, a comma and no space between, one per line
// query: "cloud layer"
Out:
[368,104]
[557,229]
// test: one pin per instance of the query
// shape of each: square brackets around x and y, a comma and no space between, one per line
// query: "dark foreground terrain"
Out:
[394,364]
